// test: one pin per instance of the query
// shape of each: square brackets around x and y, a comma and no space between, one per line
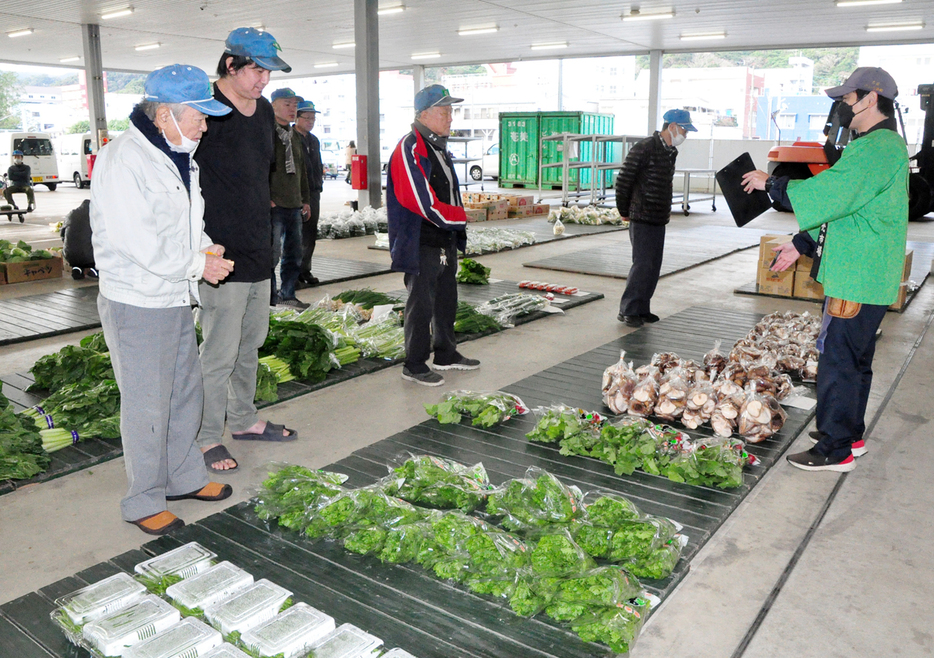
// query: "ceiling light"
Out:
[118,13]
[549,46]
[478,30]
[395,9]
[703,36]
[65,60]
[326,65]
[149,46]
[426,55]
[20,33]
[346,44]
[857,3]
[895,27]
[638,16]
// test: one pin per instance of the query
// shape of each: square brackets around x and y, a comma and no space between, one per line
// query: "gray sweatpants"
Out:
[155,360]
[234,322]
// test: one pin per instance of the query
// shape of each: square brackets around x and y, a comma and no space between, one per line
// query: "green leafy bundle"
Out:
[617,627]
[536,501]
[95,342]
[307,348]
[468,320]
[473,272]
[718,463]
[557,555]
[21,253]
[439,483]
[70,365]
[21,453]
[486,409]
[291,491]
[366,298]
[267,384]
[603,586]
[576,431]
[75,406]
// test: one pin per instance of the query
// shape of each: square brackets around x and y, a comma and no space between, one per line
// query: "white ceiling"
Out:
[193,31]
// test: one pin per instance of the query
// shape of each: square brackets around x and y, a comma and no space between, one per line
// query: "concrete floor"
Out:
[830,565]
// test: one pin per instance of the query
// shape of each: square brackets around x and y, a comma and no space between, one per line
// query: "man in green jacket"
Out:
[854,216]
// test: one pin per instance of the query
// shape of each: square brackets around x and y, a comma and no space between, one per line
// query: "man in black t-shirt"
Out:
[314,169]
[235,156]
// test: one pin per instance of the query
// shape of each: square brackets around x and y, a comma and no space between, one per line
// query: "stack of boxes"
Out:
[483,206]
[797,282]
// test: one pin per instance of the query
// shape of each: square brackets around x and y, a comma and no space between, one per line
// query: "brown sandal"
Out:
[158,524]
[211,491]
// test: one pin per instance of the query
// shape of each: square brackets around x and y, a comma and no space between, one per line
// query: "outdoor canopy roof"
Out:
[193,31]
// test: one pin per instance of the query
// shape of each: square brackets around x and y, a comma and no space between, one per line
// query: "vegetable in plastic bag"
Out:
[619,381]
[473,272]
[604,586]
[617,627]
[535,501]
[485,408]
[439,483]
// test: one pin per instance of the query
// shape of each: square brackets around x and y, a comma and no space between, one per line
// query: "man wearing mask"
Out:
[427,225]
[314,169]
[20,176]
[854,221]
[643,198]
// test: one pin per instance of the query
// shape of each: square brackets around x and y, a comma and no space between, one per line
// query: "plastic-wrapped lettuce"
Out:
[404,543]
[494,558]
[576,431]
[365,507]
[485,408]
[603,586]
[291,491]
[557,555]
[440,483]
[535,501]
[617,627]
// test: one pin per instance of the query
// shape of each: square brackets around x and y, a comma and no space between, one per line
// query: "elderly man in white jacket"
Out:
[151,251]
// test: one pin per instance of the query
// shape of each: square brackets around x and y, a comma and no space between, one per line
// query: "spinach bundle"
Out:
[21,453]
[307,348]
[473,272]
[72,364]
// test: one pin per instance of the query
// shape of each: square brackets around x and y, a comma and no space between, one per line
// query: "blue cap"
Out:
[261,47]
[306,106]
[17,152]
[680,117]
[434,95]
[285,93]
[187,85]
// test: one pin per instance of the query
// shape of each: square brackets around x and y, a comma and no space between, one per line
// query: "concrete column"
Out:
[418,78]
[655,91]
[94,72]
[560,84]
[366,56]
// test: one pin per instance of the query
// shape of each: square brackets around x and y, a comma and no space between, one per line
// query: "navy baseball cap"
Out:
[867,78]
[187,85]
[261,47]
[680,117]
[285,93]
[306,106]
[434,95]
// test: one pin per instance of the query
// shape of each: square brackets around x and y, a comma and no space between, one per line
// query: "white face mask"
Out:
[187,145]
[677,139]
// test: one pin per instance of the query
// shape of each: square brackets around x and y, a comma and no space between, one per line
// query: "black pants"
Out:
[648,247]
[844,377]
[431,308]
[310,233]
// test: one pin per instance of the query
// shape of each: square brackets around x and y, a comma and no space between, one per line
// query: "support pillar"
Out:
[366,56]
[418,78]
[655,91]
[94,74]
[560,85]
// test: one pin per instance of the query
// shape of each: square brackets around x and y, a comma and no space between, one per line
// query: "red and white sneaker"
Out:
[858,447]
[811,460]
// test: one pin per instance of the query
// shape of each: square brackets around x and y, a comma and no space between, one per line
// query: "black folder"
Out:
[744,207]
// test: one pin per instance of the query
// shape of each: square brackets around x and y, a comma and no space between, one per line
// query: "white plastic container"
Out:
[184,561]
[248,608]
[101,598]
[210,587]
[113,634]
[347,641]
[226,650]
[289,633]
[397,653]
[188,638]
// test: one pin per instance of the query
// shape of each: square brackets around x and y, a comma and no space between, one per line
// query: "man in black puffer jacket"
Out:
[643,197]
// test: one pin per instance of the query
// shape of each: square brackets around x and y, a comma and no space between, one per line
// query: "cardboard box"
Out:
[521,211]
[804,264]
[476,214]
[33,270]
[806,287]
[775,283]
[541,209]
[766,243]
[519,200]
[497,210]
[906,275]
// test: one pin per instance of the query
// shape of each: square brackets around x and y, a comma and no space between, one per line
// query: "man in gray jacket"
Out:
[643,198]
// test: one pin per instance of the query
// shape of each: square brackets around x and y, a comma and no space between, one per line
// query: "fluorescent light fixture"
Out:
[478,30]
[149,46]
[395,9]
[20,33]
[895,27]
[117,13]
[638,16]
[703,36]
[65,60]
[859,3]
[326,65]
[426,55]
[549,46]
[346,44]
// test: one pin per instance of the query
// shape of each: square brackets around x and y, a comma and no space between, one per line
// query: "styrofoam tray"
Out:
[101,598]
[210,587]
[248,608]
[184,561]
[347,641]
[289,633]
[187,639]
[111,635]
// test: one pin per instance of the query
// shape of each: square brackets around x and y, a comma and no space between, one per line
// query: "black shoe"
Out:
[858,447]
[293,303]
[77,273]
[631,320]
[428,378]
[460,363]
[309,279]
[649,317]
[811,460]
[93,273]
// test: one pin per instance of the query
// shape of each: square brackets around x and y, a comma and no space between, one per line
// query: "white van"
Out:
[73,151]
[38,153]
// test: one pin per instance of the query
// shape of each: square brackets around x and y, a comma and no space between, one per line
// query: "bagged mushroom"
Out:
[619,381]
[760,417]
[699,405]
[644,395]
[672,395]
[714,359]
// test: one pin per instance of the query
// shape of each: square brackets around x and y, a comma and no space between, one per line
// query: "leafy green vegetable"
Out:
[307,348]
[403,543]
[440,483]
[610,510]
[21,453]
[95,342]
[659,563]
[473,272]
[468,320]
[617,627]
[486,409]
[267,384]
[158,584]
[639,538]
[535,503]
[557,555]
[70,365]
[604,586]
[366,298]
[366,541]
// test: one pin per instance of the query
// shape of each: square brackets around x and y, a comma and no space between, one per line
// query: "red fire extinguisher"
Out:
[358,172]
